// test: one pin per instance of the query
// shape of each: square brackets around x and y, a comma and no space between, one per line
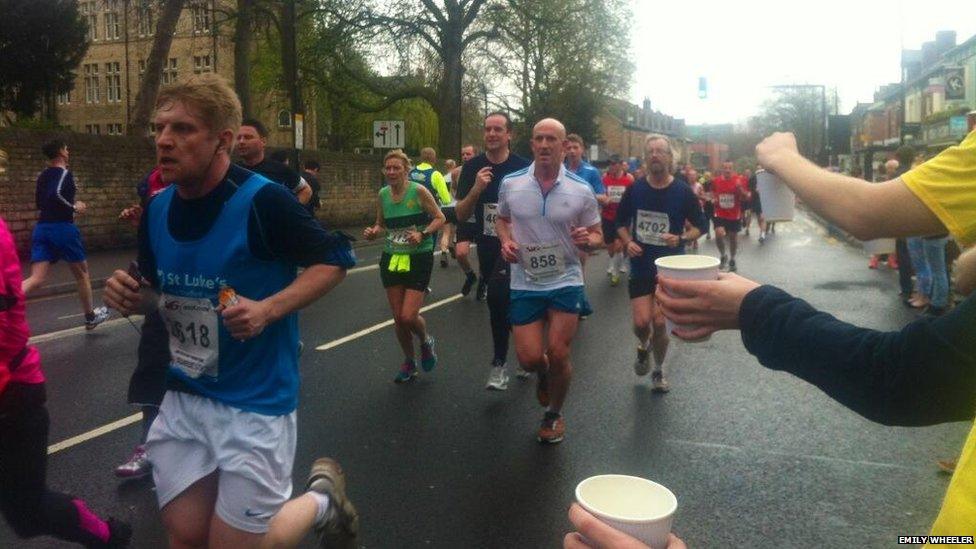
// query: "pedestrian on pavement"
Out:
[147,386]
[56,236]
[480,181]
[311,176]
[651,223]
[922,375]
[28,505]
[251,143]
[409,215]
[219,251]
[546,217]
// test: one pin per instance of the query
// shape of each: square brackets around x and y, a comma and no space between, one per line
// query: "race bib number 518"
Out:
[194,345]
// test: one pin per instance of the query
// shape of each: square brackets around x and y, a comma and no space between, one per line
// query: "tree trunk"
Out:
[243,31]
[449,110]
[149,87]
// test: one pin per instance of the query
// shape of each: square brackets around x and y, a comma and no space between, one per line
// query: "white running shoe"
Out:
[659,384]
[522,373]
[101,315]
[498,379]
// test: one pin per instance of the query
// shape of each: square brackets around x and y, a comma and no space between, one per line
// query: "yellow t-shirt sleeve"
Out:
[958,514]
[437,181]
[946,185]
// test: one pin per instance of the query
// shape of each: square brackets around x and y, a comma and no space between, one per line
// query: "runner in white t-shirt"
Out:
[546,216]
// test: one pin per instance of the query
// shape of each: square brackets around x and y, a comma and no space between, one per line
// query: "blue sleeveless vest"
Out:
[258,375]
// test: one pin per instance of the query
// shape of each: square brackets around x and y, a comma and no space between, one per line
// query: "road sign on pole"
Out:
[389,134]
[299,131]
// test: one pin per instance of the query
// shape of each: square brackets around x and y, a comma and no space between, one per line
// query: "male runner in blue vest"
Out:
[219,251]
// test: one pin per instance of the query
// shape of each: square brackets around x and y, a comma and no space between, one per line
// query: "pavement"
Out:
[102,263]
[757,458]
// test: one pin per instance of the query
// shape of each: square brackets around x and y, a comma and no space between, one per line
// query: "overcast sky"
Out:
[744,46]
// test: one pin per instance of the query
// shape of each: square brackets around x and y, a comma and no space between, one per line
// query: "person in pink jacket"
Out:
[28,505]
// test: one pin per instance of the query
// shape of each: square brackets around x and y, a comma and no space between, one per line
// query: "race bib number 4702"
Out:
[543,261]
[194,344]
[652,227]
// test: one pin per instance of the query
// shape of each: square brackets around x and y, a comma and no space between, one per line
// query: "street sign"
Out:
[299,131]
[389,134]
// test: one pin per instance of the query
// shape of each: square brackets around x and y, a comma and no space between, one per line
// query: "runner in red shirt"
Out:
[616,181]
[728,192]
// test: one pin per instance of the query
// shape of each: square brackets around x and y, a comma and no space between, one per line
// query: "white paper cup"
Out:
[778,200]
[687,267]
[879,246]
[636,506]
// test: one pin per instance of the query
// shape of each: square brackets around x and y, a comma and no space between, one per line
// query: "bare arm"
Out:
[432,209]
[464,208]
[249,318]
[863,209]
[303,193]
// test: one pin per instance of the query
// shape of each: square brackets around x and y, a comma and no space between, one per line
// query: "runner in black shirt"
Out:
[251,141]
[478,196]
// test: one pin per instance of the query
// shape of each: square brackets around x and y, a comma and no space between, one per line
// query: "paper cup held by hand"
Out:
[687,267]
[778,200]
[635,506]
[879,246]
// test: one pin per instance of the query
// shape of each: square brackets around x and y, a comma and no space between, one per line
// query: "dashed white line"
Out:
[118,424]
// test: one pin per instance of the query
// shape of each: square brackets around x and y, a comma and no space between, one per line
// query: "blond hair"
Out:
[400,155]
[428,154]
[210,96]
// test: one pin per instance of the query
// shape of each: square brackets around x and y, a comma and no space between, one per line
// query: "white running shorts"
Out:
[193,436]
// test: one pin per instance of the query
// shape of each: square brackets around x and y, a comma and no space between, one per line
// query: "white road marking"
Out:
[76,440]
[126,421]
[381,325]
[77,330]
[71,316]
[828,459]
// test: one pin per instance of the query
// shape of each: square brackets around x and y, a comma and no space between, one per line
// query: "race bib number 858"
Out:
[543,261]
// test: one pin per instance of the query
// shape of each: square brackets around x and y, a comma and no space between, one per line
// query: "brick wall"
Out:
[107,169]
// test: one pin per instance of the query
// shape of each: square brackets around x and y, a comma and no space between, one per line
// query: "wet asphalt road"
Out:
[757,458]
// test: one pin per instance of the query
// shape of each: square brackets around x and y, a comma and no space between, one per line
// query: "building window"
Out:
[91,83]
[113,78]
[93,129]
[169,71]
[142,67]
[113,30]
[64,98]
[201,19]
[201,63]
[90,17]
[114,129]
[145,15]
[284,119]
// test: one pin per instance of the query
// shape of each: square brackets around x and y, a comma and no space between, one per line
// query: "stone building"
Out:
[624,125]
[121,33]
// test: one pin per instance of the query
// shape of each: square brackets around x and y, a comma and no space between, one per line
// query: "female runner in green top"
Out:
[409,215]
